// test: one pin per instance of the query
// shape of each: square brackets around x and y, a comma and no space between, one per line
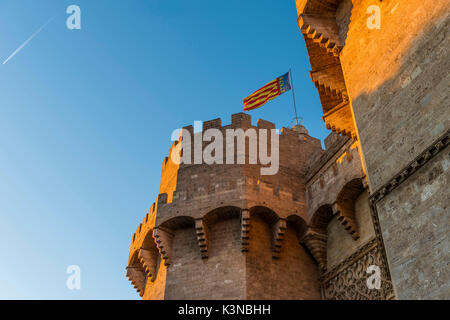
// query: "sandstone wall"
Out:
[396,81]
[293,276]
[398,85]
[340,244]
[415,219]
[206,225]
[221,276]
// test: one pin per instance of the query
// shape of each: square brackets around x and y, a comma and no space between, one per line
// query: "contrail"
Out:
[28,40]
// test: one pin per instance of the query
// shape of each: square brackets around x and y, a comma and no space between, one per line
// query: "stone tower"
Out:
[224,231]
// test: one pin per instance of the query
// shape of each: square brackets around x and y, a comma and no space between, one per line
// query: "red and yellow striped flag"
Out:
[270,91]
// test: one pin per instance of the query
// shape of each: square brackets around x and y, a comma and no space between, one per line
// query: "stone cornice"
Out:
[438,145]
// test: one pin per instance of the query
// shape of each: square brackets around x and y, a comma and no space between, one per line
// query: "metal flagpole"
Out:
[293,96]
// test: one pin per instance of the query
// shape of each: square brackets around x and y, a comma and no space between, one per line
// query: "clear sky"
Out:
[86,117]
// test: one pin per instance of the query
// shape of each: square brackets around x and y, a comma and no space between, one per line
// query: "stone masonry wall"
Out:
[398,88]
[221,276]
[415,219]
[293,275]
[340,244]
[340,167]
[396,81]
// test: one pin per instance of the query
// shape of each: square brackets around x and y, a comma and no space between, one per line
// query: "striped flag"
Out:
[270,91]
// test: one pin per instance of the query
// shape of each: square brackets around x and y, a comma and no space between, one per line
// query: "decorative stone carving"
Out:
[348,280]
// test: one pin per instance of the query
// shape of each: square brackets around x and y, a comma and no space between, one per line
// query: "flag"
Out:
[270,91]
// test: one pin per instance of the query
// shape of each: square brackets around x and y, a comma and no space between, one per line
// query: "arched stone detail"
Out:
[315,238]
[317,244]
[298,224]
[164,233]
[136,274]
[164,238]
[148,256]
[331,194]
[202,225]
[317,22]
[319,221]
[276,224]
[344,207]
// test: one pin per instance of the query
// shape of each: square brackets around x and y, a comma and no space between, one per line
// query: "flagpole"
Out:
[293,96]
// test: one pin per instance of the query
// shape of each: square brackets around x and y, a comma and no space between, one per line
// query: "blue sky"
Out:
[86,117]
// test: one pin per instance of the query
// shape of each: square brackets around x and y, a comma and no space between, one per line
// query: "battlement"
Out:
[241,121]
[147,223]
[238,120]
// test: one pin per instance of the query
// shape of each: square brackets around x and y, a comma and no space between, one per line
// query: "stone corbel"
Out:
[317,244]
[322,30]
[278,231]
[138,278]
[149,260]
[345,212]
[202,237]
[245,230]
[163,239]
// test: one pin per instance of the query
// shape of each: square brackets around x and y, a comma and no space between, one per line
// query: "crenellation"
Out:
[138,230]
[212,124]
[162,199]
[263,124]
[241,120]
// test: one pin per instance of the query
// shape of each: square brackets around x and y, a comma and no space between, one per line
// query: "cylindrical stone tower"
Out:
[227,231]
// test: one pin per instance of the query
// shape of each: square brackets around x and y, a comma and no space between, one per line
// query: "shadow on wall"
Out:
[373,56]
[400,96]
